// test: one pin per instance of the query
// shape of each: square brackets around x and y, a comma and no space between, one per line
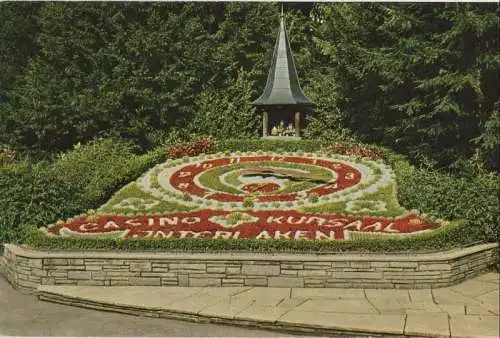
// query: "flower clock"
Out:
[260,195]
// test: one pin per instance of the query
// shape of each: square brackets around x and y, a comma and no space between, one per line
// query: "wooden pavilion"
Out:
[283,103]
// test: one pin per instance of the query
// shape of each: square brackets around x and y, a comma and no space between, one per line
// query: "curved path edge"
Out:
[467,310]
[289,326]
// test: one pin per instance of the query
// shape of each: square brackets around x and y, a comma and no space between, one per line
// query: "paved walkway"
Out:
[24,315]
[469,309]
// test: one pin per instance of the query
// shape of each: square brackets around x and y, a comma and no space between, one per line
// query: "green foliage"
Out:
[229,113]
[473,199]
[31,195]
[420,78]
[42,193]
[18,29]
[441,239]
[99,168]
[132,199]
[245,145]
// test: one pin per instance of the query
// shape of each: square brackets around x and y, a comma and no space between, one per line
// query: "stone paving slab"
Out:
[269,314]
[454,311]
[474,288]
[490,301]
[474,326]
[355,306]
[427,324]
[388,324]
[323,293]
[226,308]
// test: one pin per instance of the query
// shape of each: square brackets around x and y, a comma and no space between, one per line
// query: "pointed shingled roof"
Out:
[282,86]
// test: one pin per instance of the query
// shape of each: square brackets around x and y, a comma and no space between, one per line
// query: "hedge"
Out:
[441,239]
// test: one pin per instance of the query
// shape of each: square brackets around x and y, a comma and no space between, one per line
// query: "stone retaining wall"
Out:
[27,268]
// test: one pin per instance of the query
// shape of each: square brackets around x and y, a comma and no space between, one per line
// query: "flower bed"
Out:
[273,224]
[254,196]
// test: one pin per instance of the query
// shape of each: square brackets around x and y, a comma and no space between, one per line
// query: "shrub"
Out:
[99,168]
[31,194]
[248,145]
[82,179]
[194,148]
[473,199]
[358,150]
[441,239]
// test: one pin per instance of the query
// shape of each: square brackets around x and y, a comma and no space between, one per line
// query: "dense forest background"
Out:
[419,78]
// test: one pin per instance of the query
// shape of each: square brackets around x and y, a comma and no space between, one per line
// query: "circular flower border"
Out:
[159,181]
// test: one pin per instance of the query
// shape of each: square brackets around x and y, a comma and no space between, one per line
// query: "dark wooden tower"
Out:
[283,103]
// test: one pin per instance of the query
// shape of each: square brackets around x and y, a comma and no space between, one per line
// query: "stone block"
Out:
[114,278]
[187,266]
[233,270]
[358,275]
[183,280]
[98,275]
[204,281]
[145,281]
[297,266]
[122,273]
[292,272]
[90,282]
[380,264]
[48,281]
[115,261]
[118,283]
[169,282]
[337,284]
[140,266]
[90,261]
[216,269]
[158,274]
[400,264]
[75,261]
[34,279]
[317,266]
[286,282]
[38,272]
[55,261]
[434,267]
[312,273]
[361,265]
[260,269]
[61,281]
[93,267]
[57,273]
[79,275]
[311,282]
[159,269]
[24,270]
[343,264]
[256,281]
[233,281]
[36,263]
[27,283]
[67,267]
[115,268]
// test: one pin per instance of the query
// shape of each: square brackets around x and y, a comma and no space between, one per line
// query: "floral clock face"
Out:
[266,179]
[255,195]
